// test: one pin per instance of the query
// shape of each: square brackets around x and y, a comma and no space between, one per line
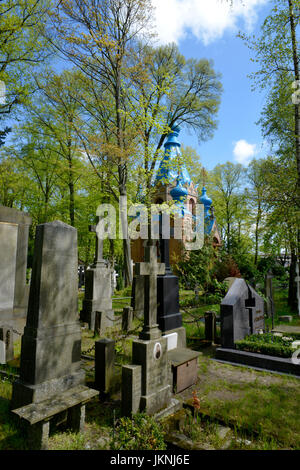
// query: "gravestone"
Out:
[146,383]
[242,313]
[168,314]
[127,319]
[6,344]
[98,291]
[104,365]
[51,343]
[14,230]
[51,378]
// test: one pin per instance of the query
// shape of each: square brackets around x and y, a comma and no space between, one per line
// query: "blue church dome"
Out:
[179,193]
[206,201]
[169,170]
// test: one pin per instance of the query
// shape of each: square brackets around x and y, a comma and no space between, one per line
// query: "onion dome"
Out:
[178,193]
[206,201]
[168,170]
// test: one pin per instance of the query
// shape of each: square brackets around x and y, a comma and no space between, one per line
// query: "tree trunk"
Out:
[258,217]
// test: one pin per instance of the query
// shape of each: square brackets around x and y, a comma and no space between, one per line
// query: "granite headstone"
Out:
[242,313]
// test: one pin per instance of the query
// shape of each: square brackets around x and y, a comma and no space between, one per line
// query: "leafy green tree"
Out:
[225,188]
[97,36]
[22,48]
[255,195]
[276,51]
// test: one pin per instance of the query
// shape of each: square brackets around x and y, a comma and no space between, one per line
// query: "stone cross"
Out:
[98,260]
[297,280]
[150,269]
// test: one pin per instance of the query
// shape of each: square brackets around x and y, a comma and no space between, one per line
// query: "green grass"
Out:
[11,435]
[282,308]
[266,412]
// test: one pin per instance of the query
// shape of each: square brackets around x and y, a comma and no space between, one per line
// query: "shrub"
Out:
[266,344]
[141,432]
[226,267]
[194,267]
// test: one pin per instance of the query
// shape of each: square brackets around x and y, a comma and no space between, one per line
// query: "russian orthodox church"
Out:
[173,184]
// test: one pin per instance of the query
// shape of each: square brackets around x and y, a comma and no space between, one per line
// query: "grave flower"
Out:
[196,404]
[196,401]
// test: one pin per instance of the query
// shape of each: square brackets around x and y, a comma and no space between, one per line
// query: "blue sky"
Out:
[208,28]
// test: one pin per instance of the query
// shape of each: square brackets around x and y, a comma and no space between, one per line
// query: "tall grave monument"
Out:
[98,290]
[51,377]
[146,383]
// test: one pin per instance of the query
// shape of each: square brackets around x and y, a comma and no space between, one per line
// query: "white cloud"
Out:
[243,151]
[207,20]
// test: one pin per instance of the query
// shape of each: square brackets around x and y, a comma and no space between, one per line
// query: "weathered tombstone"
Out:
[6,344]
[98,291]
[51,378]
[131,389]
[147,388]
[242,313]
[14,230]
[127,318]
[104,365]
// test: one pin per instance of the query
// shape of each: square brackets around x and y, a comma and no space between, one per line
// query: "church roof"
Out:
[170,170]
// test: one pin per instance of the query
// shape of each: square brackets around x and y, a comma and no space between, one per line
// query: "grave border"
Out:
[259,361]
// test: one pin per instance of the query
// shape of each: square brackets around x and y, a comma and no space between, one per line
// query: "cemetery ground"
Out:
[240,408]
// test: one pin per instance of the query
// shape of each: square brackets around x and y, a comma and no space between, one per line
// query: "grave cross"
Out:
[297,280]
[98,260]
[150,269]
